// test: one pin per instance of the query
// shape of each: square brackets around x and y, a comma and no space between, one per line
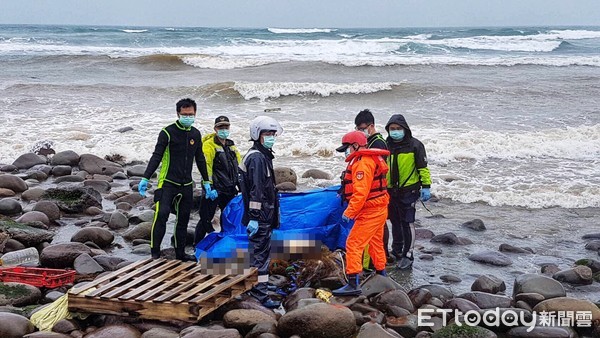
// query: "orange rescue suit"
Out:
[367,205]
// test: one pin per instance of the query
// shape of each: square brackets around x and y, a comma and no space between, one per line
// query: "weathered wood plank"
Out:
[112,275]
[161,283]
[200,288]
[183,286]
[141,279]
[124,279]
[162,290]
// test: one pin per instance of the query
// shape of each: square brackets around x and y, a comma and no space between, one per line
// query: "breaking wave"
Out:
[300,30]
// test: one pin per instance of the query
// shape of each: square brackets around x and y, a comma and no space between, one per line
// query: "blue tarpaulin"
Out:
[315,214]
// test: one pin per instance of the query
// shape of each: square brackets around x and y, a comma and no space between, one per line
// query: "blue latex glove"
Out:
[143,186]
[207,190]
[213,195]
[252,228]
[346,218]
[425,194]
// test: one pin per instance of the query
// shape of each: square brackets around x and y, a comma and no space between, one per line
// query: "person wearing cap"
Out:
[261,201]
[408,180]
[179,145]
[364,187]
[222,161]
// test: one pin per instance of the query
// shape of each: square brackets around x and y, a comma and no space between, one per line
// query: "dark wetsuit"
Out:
[177,148]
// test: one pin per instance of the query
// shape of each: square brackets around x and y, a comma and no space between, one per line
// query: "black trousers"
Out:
[208,208]
[171,198]
[260,252]
[401,212]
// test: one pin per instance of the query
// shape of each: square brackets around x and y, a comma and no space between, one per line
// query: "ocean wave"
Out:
[268,90]
[572,143]
[134,30]
[300,30]
[570,34]
[508,61]
[532,196]
[500,43]
[223,62]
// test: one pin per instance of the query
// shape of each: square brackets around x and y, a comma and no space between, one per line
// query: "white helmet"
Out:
[264,123]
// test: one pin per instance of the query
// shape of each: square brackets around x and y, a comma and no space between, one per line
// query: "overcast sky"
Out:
[302,13]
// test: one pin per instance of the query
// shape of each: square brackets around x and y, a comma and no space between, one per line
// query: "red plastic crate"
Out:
[49,278]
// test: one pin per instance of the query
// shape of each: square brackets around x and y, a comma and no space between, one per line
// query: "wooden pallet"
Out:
[159,289]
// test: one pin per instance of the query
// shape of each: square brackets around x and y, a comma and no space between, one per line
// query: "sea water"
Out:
[509,116]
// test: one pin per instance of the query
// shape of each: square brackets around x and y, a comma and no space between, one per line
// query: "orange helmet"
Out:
[352,137]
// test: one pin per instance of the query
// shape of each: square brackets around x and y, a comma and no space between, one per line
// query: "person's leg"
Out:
[408,219]
[164,197]
[376,249]
[365,227]
[394,214]
[208,208]
[408,211]
[355,245]
[386,239]
[183,209]
[223,200]
[260,251]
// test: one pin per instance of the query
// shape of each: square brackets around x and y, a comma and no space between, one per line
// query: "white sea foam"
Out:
[531,50]
[134,30]
[546,60]
[224,62]
[500,43]
[300,30]
[569,34]
[267,90]
[572,143]
[534,169]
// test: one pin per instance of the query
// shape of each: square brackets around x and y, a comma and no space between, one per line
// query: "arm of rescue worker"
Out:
[239,160]
[157,155]
[201,162]
[256,173]
[421,164]
[237,154]
[209,152]
[362,179]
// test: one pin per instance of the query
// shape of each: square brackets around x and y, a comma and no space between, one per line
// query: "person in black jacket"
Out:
[261,201]
[365,122]
[222,161]
[178,146]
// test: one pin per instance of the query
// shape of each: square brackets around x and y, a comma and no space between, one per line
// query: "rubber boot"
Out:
[405,263]
[155,253]
[350,289]
[381,272]
[182,256]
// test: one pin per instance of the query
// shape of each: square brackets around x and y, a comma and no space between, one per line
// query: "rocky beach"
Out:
[83,212]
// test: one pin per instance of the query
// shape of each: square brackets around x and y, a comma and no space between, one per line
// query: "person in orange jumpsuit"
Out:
[364,187]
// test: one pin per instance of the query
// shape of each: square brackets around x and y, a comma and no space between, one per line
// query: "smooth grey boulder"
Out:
[67,157]
[96,165]
[13,183]
[533,283]
[29,160]
[10,207]
[491,258]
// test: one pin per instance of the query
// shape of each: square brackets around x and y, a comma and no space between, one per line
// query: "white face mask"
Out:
[365,131]
[347,152]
